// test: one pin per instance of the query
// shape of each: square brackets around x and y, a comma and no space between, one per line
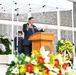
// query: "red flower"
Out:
[29,67]
[64,66]
[46,70]
[40,59]
[56,62]
[60,73]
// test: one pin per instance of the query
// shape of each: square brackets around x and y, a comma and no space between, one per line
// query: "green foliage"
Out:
[20,58]
[63,45]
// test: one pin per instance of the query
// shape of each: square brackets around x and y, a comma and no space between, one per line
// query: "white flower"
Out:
[42,49]
[52,73]
[51,67]
[27,73]
[60,58]
[33,55]
[43,52]
[36,71]
[33,62]
[27,59]
[46,59]
[63,71]
[2,47]
[68,69]
[15,71]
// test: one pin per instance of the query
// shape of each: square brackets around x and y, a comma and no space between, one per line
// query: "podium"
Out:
[41,39]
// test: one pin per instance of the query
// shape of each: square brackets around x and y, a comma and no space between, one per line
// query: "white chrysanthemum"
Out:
[60,58]
[27,59]
[34,62]
[2,47]
[36,71]
[15,71]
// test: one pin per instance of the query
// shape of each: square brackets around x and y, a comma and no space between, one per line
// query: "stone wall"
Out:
[21,17]
[66,18]
[46,18]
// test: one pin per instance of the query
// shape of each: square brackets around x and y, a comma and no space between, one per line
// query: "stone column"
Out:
[74,13]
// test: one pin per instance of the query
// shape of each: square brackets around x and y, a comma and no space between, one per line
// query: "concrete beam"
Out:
[72,0]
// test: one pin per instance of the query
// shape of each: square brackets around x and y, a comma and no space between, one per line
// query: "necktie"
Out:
[32,30]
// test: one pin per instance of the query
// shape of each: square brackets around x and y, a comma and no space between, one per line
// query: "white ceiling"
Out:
[26,6]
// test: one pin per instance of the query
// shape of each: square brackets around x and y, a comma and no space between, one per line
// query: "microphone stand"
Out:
[17,30]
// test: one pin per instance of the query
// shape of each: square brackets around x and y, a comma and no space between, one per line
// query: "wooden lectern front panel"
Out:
[36,45]
[42,39]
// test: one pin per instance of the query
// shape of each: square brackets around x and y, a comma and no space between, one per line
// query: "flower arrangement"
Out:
[5,45]
[63,45]
[39,63]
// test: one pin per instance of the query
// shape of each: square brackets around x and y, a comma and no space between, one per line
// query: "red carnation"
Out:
[56,62]
[29,67]
[40,59]
[64,66]
[46,70]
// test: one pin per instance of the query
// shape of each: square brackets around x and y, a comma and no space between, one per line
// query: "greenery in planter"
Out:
[5,45]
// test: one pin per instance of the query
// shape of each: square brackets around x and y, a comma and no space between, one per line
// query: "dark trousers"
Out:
[27,49]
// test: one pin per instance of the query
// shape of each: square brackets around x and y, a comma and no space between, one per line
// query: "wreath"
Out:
[5,45]
[63,45]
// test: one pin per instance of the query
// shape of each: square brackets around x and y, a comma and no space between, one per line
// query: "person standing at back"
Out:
[18,43]
[28,30]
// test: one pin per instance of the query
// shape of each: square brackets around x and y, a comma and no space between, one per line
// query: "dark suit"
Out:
[20,42]
[27,43]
